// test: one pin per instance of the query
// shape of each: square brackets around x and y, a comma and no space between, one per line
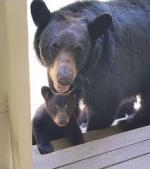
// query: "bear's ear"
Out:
[99,26]
[46,92]
[40,13]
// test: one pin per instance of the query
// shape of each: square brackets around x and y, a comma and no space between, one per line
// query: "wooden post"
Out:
[18,83]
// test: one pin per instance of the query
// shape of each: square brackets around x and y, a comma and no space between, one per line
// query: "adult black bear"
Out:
[56,118]
[101,47]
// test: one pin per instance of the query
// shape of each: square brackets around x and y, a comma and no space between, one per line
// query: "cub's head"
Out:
[63,42]
[61,107]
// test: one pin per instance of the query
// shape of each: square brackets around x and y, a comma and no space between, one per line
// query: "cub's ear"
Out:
[40,13]
[99,26]
[46,92]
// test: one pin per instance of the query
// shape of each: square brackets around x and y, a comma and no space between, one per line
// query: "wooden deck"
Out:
[127,150]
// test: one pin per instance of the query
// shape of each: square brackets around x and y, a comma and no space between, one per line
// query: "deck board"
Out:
[111,158]
[98,154]
[142,162]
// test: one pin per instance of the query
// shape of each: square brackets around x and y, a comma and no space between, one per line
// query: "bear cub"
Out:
[137,108]
[57,118]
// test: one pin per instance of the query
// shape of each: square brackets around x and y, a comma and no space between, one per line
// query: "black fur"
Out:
[115,64]
[126,107]
[136,118]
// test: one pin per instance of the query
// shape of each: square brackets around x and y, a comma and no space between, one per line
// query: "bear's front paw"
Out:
[77,141]
[45,149]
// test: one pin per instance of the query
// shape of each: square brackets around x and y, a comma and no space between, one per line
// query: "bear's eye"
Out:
[79,50]
[55,47]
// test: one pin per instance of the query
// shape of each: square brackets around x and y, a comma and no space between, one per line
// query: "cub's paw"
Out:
[45,149]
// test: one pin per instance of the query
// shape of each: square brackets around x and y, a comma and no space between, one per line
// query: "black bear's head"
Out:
[60,107]
[63,42]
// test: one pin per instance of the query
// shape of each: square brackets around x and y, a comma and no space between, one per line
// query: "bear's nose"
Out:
[61,119]
[64,81]
[65,76]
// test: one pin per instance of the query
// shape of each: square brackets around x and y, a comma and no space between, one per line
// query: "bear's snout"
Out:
[65,75]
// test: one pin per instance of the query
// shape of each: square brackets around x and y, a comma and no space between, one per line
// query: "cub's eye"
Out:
[79,50]
[67,107]
[56,107]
